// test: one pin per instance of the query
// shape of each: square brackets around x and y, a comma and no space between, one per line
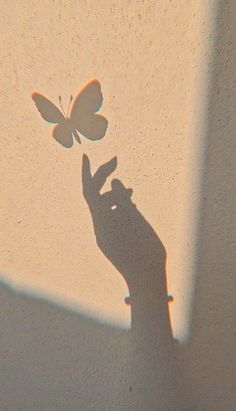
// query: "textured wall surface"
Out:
[167,74]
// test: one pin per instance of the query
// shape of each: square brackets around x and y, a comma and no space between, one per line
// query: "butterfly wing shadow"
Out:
[62,132]
[47,109]
[83,118]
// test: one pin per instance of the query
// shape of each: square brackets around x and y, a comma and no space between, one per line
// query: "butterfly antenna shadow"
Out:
[62,106]
[71,99]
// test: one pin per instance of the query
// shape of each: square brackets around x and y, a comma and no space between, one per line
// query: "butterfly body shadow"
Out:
[82,119]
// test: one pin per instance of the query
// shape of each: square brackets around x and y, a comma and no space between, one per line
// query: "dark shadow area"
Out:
[54,360]
[82,119]
[209,358]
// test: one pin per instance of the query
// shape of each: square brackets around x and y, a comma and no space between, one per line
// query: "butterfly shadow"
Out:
[81,119]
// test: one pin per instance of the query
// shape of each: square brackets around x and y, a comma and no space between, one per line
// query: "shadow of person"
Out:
[133,247]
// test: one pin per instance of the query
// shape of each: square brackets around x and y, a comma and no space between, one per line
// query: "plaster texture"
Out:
[69,341]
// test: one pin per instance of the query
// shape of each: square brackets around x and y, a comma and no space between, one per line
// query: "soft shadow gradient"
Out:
[209,358]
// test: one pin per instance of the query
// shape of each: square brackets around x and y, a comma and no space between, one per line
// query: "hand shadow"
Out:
[130,243]
[133,247]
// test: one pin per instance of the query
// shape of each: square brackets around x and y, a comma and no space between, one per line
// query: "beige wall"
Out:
[66,341]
